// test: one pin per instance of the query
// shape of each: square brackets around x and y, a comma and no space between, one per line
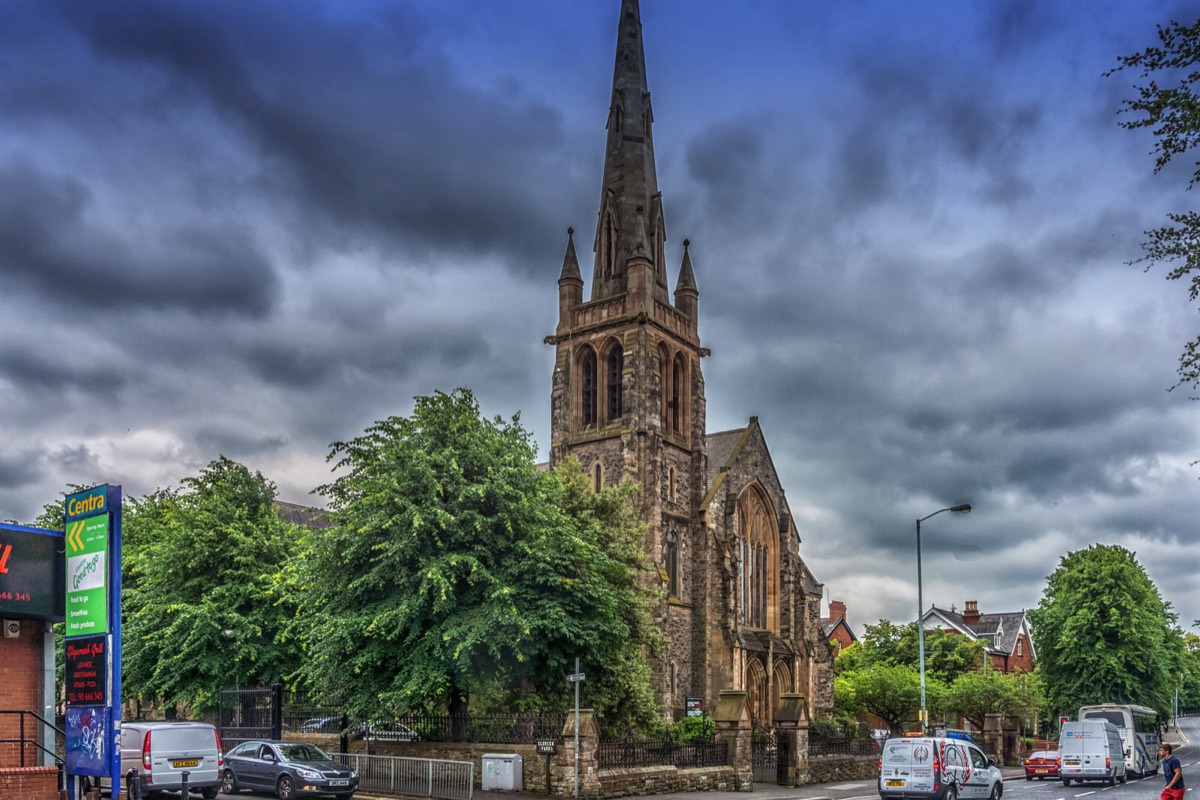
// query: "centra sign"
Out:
[87,503]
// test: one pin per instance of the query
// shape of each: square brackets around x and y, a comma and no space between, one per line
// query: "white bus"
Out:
[1139,733]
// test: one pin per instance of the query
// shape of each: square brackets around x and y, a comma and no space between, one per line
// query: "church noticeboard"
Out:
[86,675]
[694,706]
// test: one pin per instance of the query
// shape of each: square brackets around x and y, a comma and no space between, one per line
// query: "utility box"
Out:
[502,772]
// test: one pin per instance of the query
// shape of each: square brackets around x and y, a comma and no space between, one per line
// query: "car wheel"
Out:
[1124,777]
[285,789]
[1028,777]
[951,794]
[1066,781]
[210,793]
[997,790]
[1112,779]
[229,784]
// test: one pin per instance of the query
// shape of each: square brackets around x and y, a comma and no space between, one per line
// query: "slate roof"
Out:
[999,630]
[303,515]
[719,447]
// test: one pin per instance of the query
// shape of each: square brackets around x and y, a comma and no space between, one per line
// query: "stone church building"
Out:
[741,610]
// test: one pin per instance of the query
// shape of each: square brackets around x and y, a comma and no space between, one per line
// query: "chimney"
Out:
[970,612]
[837,610]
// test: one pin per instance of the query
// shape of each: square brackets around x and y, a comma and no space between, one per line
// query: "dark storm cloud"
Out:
[364,119]
[21,469]
[55,372]
[48,243]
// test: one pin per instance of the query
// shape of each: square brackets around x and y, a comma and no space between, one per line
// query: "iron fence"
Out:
[420,777]
[665,751]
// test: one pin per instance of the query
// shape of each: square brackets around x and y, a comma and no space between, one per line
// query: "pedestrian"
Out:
[1172,772]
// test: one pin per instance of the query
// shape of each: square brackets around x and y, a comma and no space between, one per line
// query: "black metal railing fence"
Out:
[661,751]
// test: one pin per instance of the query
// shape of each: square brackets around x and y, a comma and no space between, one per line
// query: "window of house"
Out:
[1019,649]
[587,384]
[616,364]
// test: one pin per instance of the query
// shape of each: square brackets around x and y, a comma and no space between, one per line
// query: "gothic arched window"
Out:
[615,366]
[671,561]
[664,376]
[587,388]
[678,384]
[597,477]
[758,578]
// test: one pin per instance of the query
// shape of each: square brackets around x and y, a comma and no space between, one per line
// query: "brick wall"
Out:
[20,679]
[31,783]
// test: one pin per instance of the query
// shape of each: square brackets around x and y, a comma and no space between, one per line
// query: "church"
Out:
[740,609]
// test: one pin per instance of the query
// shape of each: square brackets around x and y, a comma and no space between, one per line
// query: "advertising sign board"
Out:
[87,576]
[86,675]
[31,573]
[694,706]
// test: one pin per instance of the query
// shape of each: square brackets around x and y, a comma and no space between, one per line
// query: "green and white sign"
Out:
[87,576]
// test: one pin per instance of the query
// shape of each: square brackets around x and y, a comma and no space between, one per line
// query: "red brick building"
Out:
[1006,637]
[837,630]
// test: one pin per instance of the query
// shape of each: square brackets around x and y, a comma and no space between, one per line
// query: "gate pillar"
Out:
[733,726]
[791,719]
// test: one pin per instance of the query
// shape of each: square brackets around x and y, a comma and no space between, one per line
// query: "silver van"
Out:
[1091,750]
[937,768]
[159,753]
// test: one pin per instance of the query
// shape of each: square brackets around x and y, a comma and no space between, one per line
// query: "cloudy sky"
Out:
[254,228]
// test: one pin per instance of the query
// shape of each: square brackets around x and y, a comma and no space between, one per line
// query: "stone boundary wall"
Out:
[29,783]
[637,781]
[837,769]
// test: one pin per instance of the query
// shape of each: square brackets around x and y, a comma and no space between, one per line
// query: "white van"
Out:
[159,753]
[936,768]
[1090,750]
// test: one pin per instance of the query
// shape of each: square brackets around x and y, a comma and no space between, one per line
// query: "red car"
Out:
[1041,764]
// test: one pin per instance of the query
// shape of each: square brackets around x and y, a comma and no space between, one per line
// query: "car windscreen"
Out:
[303,752]
[1115,717]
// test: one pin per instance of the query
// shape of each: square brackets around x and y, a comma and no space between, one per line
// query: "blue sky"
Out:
[252,229]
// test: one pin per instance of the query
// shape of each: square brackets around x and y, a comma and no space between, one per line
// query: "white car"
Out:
[937,768]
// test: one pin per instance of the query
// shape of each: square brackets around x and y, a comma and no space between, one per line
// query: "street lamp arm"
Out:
[965,508]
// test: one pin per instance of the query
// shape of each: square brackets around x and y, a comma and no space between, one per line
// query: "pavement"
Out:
[768,791]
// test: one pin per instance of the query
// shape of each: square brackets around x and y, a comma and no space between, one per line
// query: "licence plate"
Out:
[893,783]
[339,783]
[188,762]
[1071,763]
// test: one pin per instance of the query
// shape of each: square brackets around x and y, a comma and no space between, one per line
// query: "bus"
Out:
[1139,733]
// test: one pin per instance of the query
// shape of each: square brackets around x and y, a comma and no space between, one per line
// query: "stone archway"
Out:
[758,698]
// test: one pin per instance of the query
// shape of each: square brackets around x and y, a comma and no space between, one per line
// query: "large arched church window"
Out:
[587,387]
[758,574]
[614,367]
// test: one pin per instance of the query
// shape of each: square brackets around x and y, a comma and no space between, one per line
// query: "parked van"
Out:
[159,753]
[936,768]
[1091,750]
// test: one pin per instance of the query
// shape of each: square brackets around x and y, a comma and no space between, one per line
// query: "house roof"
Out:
[303,515]
[998,631]
[827,627]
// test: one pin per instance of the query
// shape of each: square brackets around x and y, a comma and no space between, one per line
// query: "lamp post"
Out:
[965,508]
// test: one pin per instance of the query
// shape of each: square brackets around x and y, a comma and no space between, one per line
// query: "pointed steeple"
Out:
[570,285]
[570,267]
[630,185]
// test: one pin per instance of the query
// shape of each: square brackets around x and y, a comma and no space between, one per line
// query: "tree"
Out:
[1104,634]
[457,567]
[975,695]
[946,655]
[1172,112]
[890,692]
[199,569]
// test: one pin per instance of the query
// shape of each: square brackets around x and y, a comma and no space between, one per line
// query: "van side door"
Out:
[979,776]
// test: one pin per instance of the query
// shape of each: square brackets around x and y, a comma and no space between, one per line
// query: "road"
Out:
[1015,785]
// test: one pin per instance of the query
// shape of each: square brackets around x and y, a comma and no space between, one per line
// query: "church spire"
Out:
[630,185]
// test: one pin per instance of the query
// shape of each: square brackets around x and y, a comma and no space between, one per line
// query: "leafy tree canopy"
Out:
[947,655]
[198,569]
[456,568]
[1104,634]
[1167,104]
[975,695]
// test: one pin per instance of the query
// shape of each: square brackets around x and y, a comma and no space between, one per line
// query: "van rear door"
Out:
[906,765]
[176,749]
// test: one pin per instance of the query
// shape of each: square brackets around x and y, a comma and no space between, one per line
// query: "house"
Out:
[1006,636]
[837,631]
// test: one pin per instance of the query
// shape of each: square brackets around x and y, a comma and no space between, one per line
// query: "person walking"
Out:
[1172,773]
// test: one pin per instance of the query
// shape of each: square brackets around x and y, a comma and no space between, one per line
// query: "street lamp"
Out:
[965,508]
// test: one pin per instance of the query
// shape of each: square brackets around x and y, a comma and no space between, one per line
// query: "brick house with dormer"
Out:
[837,630]
[1006,636]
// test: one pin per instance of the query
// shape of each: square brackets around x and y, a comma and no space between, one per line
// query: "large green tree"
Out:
[199,569]
[456,567]
[891,692]
[1167,104]
[1104,634]
[975,695]
[946,655]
